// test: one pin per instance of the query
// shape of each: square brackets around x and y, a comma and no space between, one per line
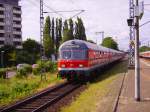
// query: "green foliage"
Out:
[24,87]
[71,29]
[47,39]
[48,66]
[144,48]
[31,46]
[65,32]
[16,88]
[110,43]
[7,58]
[3,92]
[24,71]
[3,72]
[53,30]
[80,30]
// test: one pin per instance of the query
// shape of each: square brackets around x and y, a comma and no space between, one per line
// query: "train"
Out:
[78,59]
[145,54]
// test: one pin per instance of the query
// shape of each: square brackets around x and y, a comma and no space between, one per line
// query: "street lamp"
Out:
[2,60]
[130,22]
[102,33]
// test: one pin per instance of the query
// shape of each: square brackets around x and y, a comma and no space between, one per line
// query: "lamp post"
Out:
[137,61]
[102,33]
[2,59]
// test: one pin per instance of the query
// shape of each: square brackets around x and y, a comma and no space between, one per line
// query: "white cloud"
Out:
[109,16]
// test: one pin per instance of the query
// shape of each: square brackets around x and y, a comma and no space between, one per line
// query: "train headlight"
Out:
[80,65]
[63,65]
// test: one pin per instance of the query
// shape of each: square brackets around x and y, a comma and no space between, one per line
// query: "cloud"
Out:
[109,16]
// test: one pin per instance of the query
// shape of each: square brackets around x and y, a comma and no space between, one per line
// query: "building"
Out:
[10,23]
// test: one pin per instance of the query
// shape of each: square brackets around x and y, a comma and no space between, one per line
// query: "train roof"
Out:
[87,45]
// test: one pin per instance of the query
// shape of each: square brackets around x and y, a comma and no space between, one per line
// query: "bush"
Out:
[24,71]
[21,73]
[36,70]
[4,93]
[11,68]
[24,87]
[51,66]
[28,68]
[3,73]
[48,66]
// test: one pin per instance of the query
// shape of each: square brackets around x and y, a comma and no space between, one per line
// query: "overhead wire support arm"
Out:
[144,23]
[65,11]
[78,13]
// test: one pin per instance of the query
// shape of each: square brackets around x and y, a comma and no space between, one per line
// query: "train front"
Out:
[73,60]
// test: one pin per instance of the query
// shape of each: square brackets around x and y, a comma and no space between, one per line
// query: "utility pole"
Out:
[137,61]
[41,28]
[132,34]
[102,33]
[42,53]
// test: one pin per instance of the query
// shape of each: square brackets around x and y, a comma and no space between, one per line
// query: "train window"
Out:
[74,54]
[66,54]
[79,54]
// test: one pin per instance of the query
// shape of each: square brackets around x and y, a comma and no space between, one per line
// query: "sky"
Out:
[109,16]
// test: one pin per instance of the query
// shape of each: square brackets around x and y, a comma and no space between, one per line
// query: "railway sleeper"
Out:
[23,110]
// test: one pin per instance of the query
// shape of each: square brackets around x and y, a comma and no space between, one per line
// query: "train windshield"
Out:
[74,54]
[66,54]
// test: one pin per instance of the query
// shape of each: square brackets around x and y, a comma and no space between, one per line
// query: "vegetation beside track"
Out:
[16,88]
[87,101]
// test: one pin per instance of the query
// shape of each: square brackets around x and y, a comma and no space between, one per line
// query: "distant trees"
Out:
[144,48]
[80,30]
[48,43]
[110,43]
[8,55]
[57,31]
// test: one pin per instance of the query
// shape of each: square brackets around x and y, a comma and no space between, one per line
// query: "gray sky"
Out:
[100,15]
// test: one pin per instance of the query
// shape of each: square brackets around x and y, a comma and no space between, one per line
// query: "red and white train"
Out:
[145,54]
[78,58]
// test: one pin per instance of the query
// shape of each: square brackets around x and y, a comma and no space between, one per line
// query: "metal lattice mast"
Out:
[132,34]
[41,28]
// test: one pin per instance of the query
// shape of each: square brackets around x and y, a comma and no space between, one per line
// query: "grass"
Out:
[87,101]
[15,88]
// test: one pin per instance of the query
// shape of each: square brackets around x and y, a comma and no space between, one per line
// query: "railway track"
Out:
[41,101]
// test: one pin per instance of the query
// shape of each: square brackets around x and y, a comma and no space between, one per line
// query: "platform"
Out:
[127,102]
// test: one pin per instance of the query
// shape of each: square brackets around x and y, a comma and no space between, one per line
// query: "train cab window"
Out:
[73,54]
[66,54]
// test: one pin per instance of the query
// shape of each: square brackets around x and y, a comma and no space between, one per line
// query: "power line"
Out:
[145,23]
[33,3]
[64,11]
[50,8]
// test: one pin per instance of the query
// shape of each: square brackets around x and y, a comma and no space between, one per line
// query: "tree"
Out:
[65,32]
[31,46]
[8,51]
[60,29]
[47,39]
[144,48]
[57,34]
[53,30]
[110,43]
[71,29]
[80,30]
